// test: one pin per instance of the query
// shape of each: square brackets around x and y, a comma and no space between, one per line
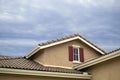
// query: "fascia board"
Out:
[42,73]
[36,49]
[60,42]
[91,45]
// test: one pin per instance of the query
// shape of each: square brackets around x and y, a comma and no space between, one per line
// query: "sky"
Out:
[26,23]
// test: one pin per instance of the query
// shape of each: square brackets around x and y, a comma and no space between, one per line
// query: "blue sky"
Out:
[26,23]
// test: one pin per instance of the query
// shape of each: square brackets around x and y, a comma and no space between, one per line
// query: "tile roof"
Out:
[114,51]
[67,37]
[27,64]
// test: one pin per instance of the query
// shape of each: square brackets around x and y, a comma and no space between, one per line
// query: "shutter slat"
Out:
[81,54]
[70,48]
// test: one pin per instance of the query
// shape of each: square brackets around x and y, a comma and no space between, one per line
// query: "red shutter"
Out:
[70,48]
[81,54]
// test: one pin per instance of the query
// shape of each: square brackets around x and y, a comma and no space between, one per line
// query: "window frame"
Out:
[78,48]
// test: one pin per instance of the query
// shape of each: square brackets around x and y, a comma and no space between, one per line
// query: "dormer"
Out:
[65,52]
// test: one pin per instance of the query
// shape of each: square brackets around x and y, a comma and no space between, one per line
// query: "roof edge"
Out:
[66,39]
[43,73]
[106,57]
[36,49]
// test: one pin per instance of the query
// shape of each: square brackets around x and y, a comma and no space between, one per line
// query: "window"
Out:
[76,54]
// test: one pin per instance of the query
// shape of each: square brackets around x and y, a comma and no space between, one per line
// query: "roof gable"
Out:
[64,40]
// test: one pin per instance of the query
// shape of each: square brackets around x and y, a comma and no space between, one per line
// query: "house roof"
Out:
[113,51]
[23,66]
[27,64]
[63,40]
[92,62]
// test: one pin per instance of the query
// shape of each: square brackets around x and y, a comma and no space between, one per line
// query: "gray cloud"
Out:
[40,20]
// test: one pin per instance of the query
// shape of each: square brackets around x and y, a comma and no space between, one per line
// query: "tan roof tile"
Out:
[58,39]
[114,50]
[27,64]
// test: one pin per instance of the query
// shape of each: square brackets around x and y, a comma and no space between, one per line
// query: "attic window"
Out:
[76,54]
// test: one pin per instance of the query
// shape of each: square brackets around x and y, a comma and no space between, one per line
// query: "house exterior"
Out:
[68,58]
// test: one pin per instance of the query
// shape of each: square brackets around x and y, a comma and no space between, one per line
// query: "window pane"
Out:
[76,54]
[76,58]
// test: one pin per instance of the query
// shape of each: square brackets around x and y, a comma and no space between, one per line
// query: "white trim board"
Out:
[60,42]
[43,73]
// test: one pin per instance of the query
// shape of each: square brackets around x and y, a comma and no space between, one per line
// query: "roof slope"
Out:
[27,64]
[67,37]
[63,40]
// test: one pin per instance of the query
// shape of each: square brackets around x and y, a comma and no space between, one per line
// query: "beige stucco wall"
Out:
[58,55]
[26,77]
[109,70]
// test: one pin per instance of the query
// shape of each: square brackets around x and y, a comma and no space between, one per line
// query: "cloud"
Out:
[17,47]
[11,18]
[28,22]
[109,45]
[19,42]
[10,50]
[105,4]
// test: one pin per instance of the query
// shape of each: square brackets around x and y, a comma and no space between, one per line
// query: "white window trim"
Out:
[74,61]
[76,46]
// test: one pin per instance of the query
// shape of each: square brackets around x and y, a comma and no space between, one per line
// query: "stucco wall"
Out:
[109,70]
[23,77]
[58,55]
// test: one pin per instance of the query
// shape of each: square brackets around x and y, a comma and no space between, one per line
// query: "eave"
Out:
[43,73]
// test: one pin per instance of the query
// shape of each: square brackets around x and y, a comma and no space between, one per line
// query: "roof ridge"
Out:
[10,57]
[67,37]
[114,50]
[58,39]
[92,43]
